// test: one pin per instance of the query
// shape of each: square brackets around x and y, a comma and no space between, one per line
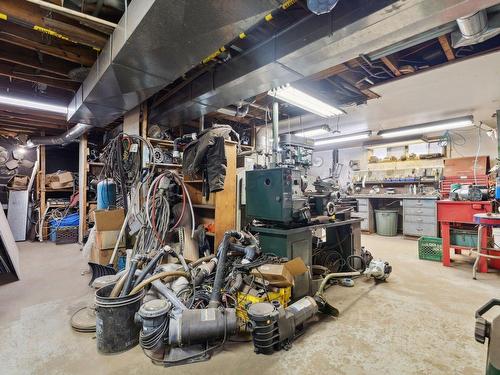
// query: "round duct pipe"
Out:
[474,24]
[71,135]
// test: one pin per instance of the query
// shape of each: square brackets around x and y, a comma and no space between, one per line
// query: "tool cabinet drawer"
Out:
[419,203]
[363,204]
[420,219]
[419,229]
[419,211]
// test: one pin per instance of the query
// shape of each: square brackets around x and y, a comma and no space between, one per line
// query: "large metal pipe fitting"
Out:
[473,24]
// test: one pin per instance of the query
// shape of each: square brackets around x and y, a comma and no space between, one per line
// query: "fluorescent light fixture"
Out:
[18,102]
[305,101]
[454,123]
[313,132]
[395,144]
[343,138]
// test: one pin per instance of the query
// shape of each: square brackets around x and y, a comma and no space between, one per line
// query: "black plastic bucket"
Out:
[116,330]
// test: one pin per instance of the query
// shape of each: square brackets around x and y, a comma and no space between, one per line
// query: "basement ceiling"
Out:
[462,88]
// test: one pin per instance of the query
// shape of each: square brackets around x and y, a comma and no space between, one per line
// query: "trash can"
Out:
[387,222]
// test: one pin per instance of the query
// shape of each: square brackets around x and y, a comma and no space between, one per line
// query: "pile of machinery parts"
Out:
[189,309]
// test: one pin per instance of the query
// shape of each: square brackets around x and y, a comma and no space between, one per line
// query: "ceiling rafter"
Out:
[25,74]
[31,59]
[36,41]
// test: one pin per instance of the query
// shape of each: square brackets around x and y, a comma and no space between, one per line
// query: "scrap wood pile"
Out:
[182,301]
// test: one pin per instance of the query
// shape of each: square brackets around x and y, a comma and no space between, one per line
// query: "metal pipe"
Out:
[169,294]
[158,276]
[71,135]
[276,120]
[221,263]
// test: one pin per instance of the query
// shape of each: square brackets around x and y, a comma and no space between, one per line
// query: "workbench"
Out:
[462,212]
[419,212]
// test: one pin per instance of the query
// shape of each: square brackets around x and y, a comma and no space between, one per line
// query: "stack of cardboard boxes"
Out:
[107,226]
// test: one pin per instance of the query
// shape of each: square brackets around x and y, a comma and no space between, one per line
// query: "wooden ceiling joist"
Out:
[32,16]
[76,34]
[35,119]
[446,46]
[85,19]
[31,59]
[25,74]
[36,41]
[391,64]
[29,124]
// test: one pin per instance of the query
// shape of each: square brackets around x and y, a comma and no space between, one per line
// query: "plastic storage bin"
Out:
[430,248]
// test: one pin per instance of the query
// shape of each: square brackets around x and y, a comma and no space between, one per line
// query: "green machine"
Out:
[275,195]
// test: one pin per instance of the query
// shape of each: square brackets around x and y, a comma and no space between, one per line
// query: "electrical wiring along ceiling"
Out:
[464,88]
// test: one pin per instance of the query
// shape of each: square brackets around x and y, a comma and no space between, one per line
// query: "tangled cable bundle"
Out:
[122,163]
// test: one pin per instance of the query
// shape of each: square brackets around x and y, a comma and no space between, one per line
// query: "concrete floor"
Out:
[419,322]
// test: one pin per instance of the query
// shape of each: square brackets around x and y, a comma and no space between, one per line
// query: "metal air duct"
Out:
[71,135]
[156,42]
[313,44]
[475,28]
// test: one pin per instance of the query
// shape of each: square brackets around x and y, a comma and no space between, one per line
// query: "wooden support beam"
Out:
[85,19]
[37,117]
[24,74]
[24,122]
[31,59]
[25,128]
[34,17]
[391,64]
[446,46]
[36,41]
[77,35]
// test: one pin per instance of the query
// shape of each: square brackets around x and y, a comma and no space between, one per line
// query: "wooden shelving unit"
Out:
[43,194]
[84,167]
[220,209]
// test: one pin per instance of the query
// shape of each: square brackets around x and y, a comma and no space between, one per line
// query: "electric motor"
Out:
[202,325]
[274,327]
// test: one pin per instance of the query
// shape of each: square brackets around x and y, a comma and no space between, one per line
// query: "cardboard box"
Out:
[283,274]
[103,256]
[107,239]
[18,182]
[92,208]
[109,220]
[59,180]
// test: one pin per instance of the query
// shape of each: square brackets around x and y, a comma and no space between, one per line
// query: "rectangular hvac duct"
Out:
[157,41]
[312,45]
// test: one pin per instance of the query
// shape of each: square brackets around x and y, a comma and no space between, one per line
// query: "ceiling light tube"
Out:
[454,123]
[305,101]
[313,132]
[394,144]
[18,102]
[343,139]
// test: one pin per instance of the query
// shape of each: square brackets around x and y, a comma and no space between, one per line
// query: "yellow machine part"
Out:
[245,300]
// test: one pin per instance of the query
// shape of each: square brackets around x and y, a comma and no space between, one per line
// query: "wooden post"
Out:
[43,205]
[82,186]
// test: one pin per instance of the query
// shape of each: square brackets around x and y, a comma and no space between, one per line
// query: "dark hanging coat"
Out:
[207,154]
